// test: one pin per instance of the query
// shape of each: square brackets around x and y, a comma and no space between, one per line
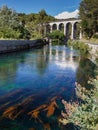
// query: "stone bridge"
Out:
[68,27]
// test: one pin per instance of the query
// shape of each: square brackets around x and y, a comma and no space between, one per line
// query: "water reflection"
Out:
[64,58]
[85,72]
[42,60]
[33,84]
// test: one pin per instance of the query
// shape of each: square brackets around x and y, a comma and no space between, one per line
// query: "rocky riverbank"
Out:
[7,46]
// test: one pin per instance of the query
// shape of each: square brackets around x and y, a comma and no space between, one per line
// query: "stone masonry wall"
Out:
[18,45]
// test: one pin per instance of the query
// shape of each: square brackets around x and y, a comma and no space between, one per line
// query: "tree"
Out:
[8,20]
[89,16]
[43,18]
[22,26]
[35,23]
[33,29]
[56,34]
[11,26]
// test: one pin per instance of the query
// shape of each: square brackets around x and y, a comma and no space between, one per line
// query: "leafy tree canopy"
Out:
[56,34]
[10,26]
[20,25]
[89,15]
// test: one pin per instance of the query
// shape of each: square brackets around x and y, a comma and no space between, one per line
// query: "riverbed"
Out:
[33,84]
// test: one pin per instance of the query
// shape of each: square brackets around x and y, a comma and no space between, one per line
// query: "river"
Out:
[33,84]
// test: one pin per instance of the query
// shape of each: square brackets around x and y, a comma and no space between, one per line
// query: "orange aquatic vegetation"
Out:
[51,108]
[12,112]
[22,103]
[35,113]
[37,109]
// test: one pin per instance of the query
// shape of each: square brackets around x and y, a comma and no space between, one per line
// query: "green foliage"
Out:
[82,47]
[83,115]
[43,17]
[35,23]
[95,36]
[89,15]
[10,26]
[86,115]
[22,26]
[56,34]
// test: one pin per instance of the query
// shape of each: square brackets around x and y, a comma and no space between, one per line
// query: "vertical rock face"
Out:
[94,49]
[17,45]
[93,52]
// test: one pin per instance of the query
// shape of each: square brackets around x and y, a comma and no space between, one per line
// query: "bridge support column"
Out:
[51,29]
[65,29]
[72,32]
[80,36]
[57,26]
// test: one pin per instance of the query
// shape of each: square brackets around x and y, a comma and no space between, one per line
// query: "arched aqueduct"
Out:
[65,26]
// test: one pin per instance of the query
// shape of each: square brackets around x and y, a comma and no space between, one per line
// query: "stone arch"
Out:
[48,28]
[76,30]
[68,30]
[54,27]
[61,27]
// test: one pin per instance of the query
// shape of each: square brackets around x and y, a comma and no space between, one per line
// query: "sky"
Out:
[52,7]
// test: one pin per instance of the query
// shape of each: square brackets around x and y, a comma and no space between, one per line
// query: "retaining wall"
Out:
[18,45]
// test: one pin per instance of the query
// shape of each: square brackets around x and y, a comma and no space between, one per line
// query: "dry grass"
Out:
[92,40]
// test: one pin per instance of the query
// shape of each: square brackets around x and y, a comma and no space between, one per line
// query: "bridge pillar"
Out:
[80,36]
[57,26]
[72,31]
[72,22]
[65,29]
[51,28]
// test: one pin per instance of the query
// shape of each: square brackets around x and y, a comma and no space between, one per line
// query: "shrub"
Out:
[95,36]
[84,48]
[56,34]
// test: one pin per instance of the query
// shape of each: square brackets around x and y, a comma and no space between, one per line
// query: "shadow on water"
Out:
[33,84]
[86,71]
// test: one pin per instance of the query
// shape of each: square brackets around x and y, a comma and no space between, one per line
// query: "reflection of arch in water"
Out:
[57,53]
[42,60]
[64,60]
[71,57]
[64,55]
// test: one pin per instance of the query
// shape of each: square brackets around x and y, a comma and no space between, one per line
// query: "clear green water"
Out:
[33,84]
